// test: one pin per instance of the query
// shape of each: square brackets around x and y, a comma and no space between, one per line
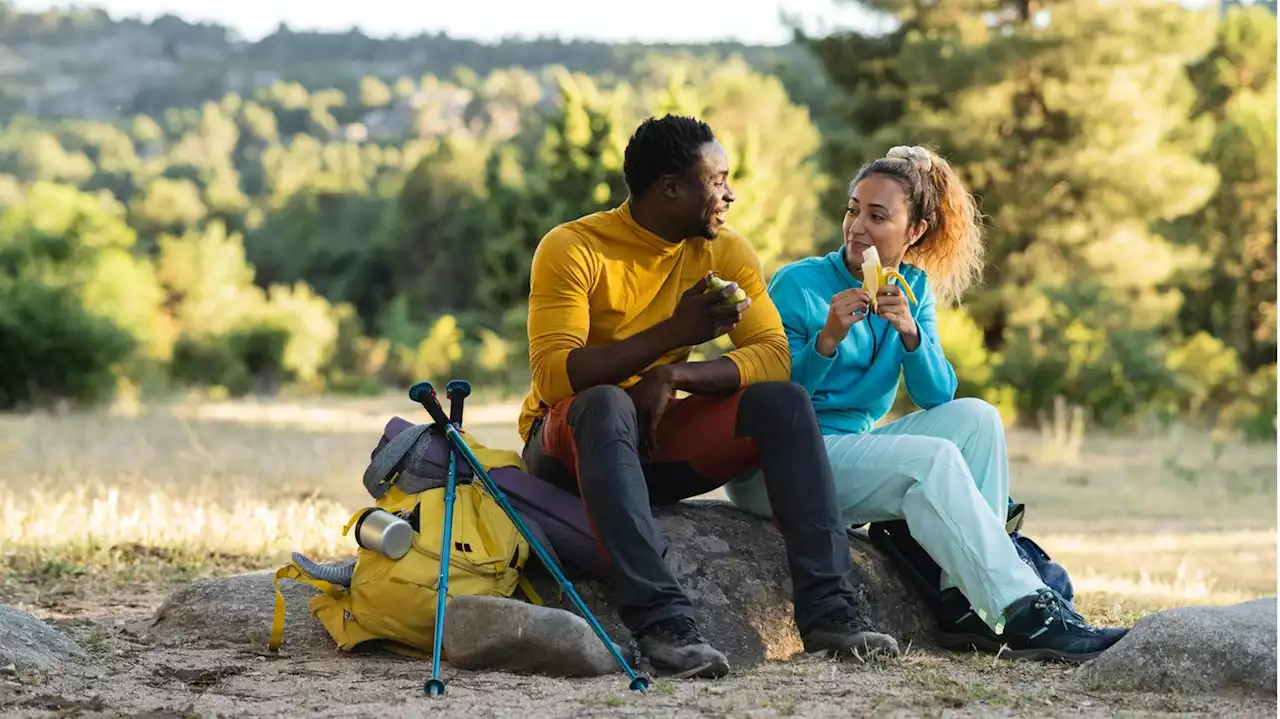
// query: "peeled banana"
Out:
[715,284]
[875,276]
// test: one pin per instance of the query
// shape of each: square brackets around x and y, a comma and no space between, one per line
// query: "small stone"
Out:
[497,634]
[25,641]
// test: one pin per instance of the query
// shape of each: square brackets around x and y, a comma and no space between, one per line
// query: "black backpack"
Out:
[915,565]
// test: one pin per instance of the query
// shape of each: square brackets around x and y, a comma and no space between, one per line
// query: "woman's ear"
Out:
[916,232]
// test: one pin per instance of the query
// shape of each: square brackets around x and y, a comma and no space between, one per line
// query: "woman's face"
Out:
[877,215]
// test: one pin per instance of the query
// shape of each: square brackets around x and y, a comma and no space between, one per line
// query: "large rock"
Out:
[238,611]
[1194,650]
[732,565]
[492,633]
[27,642]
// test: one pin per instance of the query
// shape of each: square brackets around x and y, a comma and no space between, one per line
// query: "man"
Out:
[618,301]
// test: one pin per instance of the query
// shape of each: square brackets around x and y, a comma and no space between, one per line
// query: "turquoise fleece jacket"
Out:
[855,388]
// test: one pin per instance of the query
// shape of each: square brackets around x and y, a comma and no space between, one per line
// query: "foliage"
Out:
[334,212]
[1111,256]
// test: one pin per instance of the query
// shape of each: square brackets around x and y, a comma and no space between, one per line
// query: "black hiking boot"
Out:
[675,648]
[1042,626]
[844,633]
[960,627]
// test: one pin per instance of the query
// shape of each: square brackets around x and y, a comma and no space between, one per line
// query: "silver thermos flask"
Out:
[383,532]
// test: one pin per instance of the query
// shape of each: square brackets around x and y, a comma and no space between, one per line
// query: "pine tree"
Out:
[1068,119]
[1231,293]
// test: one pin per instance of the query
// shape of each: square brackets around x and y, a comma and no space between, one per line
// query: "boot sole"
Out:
[865,649]
[959,642]
[707,671]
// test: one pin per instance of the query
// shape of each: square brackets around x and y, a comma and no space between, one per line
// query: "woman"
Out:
[944,469]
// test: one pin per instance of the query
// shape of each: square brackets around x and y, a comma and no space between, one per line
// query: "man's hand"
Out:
[847,309]
[650,395]
[891,304]
[703,316]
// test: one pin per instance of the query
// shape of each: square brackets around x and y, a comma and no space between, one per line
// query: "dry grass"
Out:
[186,489]
[100,514]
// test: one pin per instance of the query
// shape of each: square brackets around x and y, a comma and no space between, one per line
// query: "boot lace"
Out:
[1053,607]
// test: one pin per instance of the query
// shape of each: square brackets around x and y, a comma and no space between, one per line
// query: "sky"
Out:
[753,21]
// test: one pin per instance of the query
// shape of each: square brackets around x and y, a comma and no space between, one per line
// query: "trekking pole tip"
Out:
[434,688]
[640,684]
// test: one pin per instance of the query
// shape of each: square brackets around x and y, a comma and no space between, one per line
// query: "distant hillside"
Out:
[86,64]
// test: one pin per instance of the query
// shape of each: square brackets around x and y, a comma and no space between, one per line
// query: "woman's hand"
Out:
[847,309]
[892,305]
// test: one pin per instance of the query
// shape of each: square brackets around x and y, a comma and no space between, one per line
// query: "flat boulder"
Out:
[1194,650]
[28,642]
[732,564]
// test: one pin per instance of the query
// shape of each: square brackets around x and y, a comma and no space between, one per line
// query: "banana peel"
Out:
[715,284]
[875,276]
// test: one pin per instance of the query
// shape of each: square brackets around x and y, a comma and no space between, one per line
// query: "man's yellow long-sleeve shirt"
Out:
[603,278]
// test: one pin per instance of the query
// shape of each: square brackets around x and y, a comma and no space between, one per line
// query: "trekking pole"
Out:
[457,391]
[425,395]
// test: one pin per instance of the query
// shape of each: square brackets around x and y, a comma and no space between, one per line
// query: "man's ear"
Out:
[670,186]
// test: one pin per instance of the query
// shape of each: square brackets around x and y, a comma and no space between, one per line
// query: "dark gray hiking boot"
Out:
[960,627]
[1042,626]
[675,648]
[844,634]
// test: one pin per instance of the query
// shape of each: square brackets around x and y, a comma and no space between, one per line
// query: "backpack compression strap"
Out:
[292,571]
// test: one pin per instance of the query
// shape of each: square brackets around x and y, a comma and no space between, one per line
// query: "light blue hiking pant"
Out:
[946,472]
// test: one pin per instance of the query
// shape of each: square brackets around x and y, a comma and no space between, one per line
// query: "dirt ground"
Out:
[128,677]
[101,516]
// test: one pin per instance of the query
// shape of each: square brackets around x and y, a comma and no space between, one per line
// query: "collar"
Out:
[649,239]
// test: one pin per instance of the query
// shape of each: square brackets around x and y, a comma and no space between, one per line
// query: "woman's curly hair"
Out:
[951,250]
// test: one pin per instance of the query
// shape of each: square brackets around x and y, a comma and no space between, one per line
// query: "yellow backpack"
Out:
[395,599]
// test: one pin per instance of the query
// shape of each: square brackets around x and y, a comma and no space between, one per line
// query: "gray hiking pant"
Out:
[588,445]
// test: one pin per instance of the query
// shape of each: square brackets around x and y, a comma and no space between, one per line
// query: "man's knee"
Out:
[602,408]
[775,401]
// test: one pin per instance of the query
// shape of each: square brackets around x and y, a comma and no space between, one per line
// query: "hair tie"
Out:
[916,155]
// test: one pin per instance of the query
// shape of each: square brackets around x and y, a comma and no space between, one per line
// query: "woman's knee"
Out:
[977,414]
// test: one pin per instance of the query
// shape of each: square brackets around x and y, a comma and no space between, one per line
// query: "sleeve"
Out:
[930,378]
[808,367]
[760,345]
[561,279]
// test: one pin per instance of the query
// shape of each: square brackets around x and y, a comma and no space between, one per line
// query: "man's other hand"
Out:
[650,395]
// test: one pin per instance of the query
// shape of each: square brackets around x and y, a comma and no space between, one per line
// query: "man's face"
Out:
[705,195]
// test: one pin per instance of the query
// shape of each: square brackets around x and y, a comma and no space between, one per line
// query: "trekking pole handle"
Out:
[424,394]
[457,391]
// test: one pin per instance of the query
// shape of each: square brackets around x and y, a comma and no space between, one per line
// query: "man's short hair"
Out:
[661,146]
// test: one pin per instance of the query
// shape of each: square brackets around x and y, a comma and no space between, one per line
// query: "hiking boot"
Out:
[675,648]
[1042,626]
[845,633]
[960,627]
